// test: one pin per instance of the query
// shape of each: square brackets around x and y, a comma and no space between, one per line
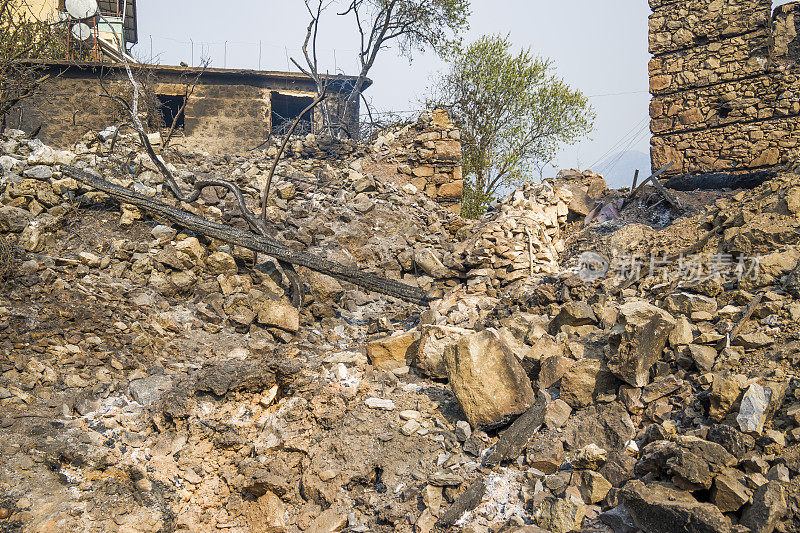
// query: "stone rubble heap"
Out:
[520,240]
[154,380]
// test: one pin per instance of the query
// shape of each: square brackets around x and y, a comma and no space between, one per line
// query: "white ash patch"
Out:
[502,500]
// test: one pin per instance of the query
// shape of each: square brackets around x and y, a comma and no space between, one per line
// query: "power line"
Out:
[634,131]
[617,94]
[611,165]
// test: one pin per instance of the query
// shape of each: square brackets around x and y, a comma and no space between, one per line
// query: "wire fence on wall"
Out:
[264,56]
[255,55]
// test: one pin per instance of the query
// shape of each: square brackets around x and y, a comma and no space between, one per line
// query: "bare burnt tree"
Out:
[189,87]
[258,224]
[24,42]
[411,25]
[312,64]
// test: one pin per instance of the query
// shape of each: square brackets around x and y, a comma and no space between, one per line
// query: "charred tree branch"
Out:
[252,241]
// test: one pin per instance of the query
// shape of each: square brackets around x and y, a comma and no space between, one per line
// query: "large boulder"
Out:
[729,493]
[585,381]
[552,368]
[14,219]
[726,391]
[278,314]
[658,508]
[221,263]
[487,379]
[267,514]
[325,288]
[685,303]
[559,515]
[666,459]
[730,438]
[609,426]
[753,410]
[762,234]
[572,314]
[768,507]
[429,358]
[427,260]
[36,233]
[640,335]
[771,268]
[689,462]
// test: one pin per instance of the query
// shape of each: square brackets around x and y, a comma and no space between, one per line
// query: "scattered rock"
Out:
[591,457]
[552,369]
[656,508]
[594,487]
[557,414]
[221,263]
[380,403]
[394,351]
[753,410]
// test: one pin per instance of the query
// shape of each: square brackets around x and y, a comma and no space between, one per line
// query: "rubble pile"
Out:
[520,240]
[156,380]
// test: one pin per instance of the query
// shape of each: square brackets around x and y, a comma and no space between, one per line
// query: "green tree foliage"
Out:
[25,40]
[514,114]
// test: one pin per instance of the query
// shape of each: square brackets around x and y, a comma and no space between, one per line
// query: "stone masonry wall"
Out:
[228,112]
[425,154]
[724,79]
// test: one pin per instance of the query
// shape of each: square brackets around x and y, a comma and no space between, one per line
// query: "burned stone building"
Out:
[724,84]
[228,110]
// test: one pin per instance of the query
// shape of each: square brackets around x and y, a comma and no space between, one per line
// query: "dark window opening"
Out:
[170,107]
[285,109]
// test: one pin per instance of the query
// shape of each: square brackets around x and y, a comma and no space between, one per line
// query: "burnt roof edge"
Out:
[217,72]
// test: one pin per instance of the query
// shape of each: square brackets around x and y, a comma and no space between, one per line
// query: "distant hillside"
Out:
[618,169]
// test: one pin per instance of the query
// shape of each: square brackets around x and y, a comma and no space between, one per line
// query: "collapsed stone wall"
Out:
[425,154]
[723,79]
[521,240]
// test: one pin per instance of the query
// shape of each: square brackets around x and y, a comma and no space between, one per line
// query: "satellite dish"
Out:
[81,9]
[81,31]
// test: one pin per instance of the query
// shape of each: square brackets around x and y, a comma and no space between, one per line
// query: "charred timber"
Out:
[247,239]
[708,182]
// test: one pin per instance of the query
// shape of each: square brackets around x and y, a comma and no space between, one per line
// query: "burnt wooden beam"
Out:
[467,501]
[258,243]
[513,440]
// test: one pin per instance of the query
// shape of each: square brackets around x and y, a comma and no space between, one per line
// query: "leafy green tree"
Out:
[514,114]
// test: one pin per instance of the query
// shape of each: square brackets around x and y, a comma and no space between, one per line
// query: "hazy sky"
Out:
[599,47]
